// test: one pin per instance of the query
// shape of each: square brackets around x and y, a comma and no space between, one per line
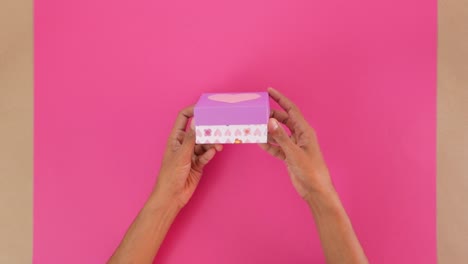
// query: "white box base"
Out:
[231,134]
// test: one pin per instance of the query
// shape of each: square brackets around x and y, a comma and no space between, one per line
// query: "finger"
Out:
[178,136]
[282,117]
[295,120]
[275,151]
[182,119]
[279,115]
[205,158]
[293,139]
[200,149]
[188,144]
[281,137]
[271,140]
[284,102]
[219,147]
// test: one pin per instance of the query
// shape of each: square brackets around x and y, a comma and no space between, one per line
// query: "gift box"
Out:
[232,118]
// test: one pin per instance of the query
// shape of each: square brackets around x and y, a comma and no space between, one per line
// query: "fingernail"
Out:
[274,124]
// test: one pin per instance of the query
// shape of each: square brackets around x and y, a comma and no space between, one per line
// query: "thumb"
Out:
[277,132]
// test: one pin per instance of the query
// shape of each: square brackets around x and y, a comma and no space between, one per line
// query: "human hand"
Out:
[183,162]
[180,172]
[300,151]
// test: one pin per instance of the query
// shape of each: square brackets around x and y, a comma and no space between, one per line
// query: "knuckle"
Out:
[185,112]
[294,108]
[313,133]
[281,135]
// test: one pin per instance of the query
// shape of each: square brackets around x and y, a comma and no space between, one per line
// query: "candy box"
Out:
[223,118]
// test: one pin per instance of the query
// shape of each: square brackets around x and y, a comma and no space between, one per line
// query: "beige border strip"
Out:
[16,130]
[452,134]
[16,126]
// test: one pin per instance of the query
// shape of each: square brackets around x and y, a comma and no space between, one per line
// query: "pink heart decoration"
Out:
[199,134]
[233,98]
[227,133]
[237,133]
[257,132]
[217,133]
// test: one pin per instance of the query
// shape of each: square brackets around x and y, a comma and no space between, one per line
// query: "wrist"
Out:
[161,203]
[324,200]
[320,189]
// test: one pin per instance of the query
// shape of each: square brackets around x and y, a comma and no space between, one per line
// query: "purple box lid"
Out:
[232,109]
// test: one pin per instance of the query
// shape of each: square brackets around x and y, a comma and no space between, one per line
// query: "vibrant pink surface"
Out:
[111,76]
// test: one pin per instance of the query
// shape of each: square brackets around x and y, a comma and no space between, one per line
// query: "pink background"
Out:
[111,76]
